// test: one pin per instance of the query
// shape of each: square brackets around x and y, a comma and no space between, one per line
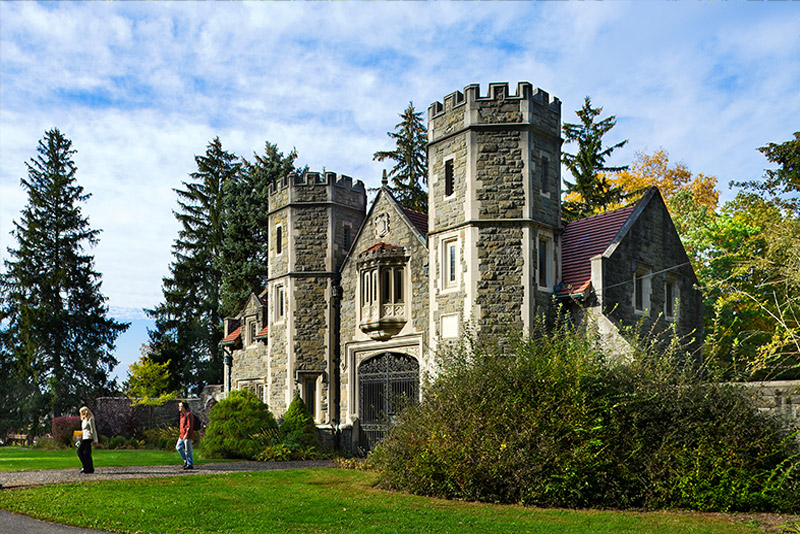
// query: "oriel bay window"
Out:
[382,290]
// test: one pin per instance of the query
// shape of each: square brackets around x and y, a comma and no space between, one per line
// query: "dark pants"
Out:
[85,455]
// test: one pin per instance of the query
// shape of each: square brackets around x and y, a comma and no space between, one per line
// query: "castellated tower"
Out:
[494,208]
[312,220]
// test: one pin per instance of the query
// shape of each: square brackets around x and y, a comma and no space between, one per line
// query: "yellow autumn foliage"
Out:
[654,170]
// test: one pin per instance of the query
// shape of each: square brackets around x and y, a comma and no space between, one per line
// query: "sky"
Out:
[141,88]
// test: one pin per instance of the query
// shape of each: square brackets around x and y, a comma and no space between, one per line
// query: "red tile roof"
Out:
[418,219]
[263,332]
[381,246]
[584,239]
[232,337]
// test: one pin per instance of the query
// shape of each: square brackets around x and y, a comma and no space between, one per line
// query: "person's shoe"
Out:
[185,464]
[189,466]
[88,472]
[82,471]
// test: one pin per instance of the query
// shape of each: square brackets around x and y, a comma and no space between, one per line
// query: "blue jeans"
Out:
[184,447]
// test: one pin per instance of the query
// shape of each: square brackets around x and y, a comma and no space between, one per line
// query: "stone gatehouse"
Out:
[359,298]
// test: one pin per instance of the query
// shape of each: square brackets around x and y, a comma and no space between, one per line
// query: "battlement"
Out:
[497,92]
[312,179]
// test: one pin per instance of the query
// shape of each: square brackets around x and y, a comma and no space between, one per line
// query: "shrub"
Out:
[63,427]
[46,444]
[240,426]
[117,442]
[163,438]
[549,421]
[298,429]
[275,453]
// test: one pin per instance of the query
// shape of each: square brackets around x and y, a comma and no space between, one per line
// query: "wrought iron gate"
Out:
[387,383]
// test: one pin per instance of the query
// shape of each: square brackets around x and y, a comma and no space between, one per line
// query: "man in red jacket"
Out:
[186,435]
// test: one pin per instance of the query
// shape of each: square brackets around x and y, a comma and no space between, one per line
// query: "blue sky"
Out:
[142,87]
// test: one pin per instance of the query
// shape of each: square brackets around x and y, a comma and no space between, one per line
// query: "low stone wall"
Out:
[778,397]
[116,416]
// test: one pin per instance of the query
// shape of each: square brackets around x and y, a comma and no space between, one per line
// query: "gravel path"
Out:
[18,479]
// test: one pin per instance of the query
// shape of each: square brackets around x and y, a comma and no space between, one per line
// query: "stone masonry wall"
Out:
[499,184]
[780,398]
[400,234]
[309,234]
[500,286]
[310,317]
[653,242]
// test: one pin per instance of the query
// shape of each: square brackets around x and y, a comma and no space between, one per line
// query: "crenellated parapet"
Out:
[470,108]
[317,187]
[312,179]
[496,92]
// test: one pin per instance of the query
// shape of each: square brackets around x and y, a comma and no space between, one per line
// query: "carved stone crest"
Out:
[382,225]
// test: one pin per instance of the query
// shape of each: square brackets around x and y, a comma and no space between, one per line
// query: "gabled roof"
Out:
[232,338]
[418,219]
[582,240]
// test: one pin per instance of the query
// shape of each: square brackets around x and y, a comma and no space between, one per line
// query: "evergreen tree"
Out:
[57,340]
[592,191]
[188,322]
[410,172]
[243,261]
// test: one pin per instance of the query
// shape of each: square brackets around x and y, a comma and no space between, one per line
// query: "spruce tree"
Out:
[188,322]
[410,172]
[592,191]
[57,340]
[243,261]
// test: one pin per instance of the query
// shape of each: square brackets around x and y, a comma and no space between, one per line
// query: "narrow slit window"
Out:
[543,261]
[398,285]
[386,295]
[543,175]
[448,178]
[278,240]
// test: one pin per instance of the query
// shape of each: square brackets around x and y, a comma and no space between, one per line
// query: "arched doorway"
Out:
[386,384]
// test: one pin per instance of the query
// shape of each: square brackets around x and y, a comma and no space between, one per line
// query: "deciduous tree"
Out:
[655,170]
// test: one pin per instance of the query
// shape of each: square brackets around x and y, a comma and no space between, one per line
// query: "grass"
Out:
[318,501]
[26,459]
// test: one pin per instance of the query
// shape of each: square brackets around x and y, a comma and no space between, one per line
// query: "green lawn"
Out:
[26,459]
[317,501]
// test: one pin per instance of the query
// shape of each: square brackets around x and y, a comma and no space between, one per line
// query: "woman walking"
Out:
[88,435]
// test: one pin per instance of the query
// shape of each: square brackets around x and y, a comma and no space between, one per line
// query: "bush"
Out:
[161,438]
[63,427]
[117,442]
[298,429]
[551,422]
[240,426]
[275,453]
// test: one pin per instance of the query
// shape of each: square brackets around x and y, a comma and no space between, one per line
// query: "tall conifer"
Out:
[592,191]
[57,340]
[245,246]
[188,321]
[410,172]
